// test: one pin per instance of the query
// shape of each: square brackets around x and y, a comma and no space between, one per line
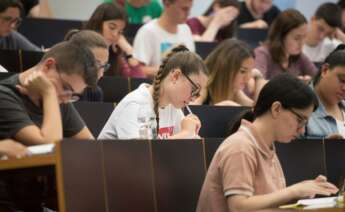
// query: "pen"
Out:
[189,110]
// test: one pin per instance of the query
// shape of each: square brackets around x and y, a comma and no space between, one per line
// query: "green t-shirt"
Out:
[143,14]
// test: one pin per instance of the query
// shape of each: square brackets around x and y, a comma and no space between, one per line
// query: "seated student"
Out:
[140,11]
[98,46]
[282,52]
[328,121]
[245,173]
[230,65]
[182,72]
[157,37]
[110,20]
[34,106]
[217,23]
[9,21]
[324,34]
[12,149]
[257,14]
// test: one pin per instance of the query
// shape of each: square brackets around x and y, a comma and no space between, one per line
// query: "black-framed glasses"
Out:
[11,20]
[195,88]
[301,120]
[105,67]
[69,91]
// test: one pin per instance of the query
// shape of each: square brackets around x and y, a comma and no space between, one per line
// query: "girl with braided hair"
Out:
[178,81]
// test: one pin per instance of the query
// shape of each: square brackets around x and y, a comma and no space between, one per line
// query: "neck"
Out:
[264,127]
[167,24]
[249,5]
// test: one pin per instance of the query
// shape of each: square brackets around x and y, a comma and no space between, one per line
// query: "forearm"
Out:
[51,129]
[150,71]
[124,45]
[239,203]
[210,33]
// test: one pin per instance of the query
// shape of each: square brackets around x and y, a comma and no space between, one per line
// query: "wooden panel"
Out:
[179,172]
[335,161]
[114,88]
[128,173]
[301,160]
[211,146]
[9,59]
[82,176]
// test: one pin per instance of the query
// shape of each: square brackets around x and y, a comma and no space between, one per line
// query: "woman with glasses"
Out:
[9,21]
[328,121]
[110,19]
[178,81]
[230,65]
[245,173]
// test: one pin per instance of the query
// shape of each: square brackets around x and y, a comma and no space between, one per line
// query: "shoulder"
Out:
[262,50]
[237,143]
[149,27]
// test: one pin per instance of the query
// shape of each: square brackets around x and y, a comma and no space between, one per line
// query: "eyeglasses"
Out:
[10,20]
[195,88]
[301,120]
[68,91]
[105,67]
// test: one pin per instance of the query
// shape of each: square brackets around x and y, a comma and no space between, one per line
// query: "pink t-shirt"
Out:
[243,165]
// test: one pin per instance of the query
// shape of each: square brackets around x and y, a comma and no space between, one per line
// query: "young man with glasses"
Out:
[35,105]
[9,20]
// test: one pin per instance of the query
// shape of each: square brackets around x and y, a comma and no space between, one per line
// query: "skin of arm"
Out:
[51,129]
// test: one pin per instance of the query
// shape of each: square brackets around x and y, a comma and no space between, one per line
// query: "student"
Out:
[110,20]
[324,33]
[282,52]
[218,22]
[245,173]
[182,73]
[140,11]
[34,106]
[98,46]
[230,65]
[328,121]
[160,35]
[12,149]
[257,14]
[9,20]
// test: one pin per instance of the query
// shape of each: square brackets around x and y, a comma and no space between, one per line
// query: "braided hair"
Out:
[179,57]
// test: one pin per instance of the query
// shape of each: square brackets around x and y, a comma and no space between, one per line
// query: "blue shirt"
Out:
[321,124]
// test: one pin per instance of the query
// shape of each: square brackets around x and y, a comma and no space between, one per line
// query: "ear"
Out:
[48,65]
[324,69]
[175,75]
[276,108]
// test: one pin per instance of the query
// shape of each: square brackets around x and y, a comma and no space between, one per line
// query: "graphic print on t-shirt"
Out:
[165,132]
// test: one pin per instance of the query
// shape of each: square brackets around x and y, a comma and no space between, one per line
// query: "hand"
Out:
[225,16]
[191,124]
[310,188]
[13,149]
[338,34]
[36,83]
[306,78]
[334,136]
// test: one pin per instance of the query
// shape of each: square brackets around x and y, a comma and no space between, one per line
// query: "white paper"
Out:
[41,149]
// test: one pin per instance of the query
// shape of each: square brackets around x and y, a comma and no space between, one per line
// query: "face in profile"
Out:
[319,30]
[294,40]
[9,20]
[112,30]
[179,9]
[334,84]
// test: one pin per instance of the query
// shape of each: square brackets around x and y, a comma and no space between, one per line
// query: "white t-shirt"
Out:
[321,51]
[123,122]
[152,42]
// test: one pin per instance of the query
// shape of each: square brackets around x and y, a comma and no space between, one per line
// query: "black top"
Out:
[18,111]
[245,16]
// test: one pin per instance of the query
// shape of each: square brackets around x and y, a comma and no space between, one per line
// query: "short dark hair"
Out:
[74,59]
[330,13]
[341,4]
[334,59]
[88,38]
[286,21]
[4,4]
[105,12]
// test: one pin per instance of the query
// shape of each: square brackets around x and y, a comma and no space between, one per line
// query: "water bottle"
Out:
[146,124]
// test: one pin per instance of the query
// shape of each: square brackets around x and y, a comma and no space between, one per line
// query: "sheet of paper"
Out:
[41,149]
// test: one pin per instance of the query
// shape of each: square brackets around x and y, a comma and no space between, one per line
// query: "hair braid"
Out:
[158,79]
